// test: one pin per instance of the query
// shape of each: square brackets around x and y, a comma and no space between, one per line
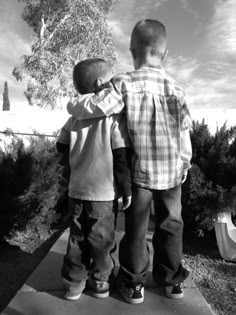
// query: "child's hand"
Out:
[124,203]
[184,177]
[106,85]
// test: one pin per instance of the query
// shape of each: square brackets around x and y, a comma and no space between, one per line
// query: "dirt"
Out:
[16,265]
[215,277]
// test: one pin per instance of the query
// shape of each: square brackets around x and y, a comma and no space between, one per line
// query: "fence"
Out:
[28,121]
[33,122]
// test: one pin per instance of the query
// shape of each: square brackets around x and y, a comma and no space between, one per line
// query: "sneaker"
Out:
[73,291]
[101,289]
[132,293]
[174,291]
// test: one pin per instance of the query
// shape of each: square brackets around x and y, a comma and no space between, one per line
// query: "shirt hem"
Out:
[157,187]
[92,198]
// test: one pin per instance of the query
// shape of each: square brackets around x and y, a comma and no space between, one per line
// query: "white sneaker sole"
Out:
[101,295]
[69,297]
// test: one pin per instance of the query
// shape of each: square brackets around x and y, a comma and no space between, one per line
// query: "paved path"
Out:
[42,294]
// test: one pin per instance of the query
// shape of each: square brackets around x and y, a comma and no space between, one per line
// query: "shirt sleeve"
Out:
[186,149]
[104,103]
[61,147]
[119,133]
[120,143]
[185,117]
[64,135]
[121,170]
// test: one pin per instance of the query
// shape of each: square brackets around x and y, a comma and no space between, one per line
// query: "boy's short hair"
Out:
[86,73]
[149,34]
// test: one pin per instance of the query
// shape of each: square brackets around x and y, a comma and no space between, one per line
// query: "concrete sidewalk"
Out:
[42,294]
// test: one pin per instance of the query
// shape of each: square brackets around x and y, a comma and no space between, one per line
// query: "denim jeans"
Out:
[167,238]
[91,240]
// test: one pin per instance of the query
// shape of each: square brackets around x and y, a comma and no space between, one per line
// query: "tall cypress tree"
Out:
[6,101]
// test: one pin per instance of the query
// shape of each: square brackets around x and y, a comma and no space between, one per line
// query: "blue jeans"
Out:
[167,238]
[91,240]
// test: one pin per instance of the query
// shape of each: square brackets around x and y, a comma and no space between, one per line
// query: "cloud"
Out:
[14,42]
[182,68]
[122,22]
[134,10]
[121,38]
[143,7]
[207,84]
[221,35]
[186,6]
[13,48]
[214,85]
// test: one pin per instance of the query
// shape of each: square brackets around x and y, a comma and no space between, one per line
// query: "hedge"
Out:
[32,183]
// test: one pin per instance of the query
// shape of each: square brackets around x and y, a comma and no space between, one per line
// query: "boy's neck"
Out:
[148,61]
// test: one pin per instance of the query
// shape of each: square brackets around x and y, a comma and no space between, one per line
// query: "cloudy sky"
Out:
[201,44]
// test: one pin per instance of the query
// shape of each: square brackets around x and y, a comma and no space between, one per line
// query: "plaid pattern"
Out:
[156,113]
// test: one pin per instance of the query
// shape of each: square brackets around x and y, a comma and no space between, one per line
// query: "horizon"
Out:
[17,120]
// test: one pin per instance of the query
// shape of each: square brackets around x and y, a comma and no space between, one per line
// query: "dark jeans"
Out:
[167,237]
[91,240]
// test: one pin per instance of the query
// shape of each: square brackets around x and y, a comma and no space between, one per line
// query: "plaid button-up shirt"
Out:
[157,114]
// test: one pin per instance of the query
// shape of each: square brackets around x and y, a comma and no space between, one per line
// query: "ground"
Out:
[16,265]
[215,278]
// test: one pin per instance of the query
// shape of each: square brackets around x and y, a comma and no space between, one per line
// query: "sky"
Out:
[201,44]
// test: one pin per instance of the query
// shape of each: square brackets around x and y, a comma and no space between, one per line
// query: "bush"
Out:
[210,187]
[32,196]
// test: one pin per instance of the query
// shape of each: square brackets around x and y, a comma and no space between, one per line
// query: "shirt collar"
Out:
[155,68]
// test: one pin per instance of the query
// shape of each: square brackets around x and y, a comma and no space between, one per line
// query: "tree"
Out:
[6,101]
[29,93]
[65,31]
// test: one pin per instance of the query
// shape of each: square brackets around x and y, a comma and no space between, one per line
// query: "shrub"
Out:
[210,187]
[32,196]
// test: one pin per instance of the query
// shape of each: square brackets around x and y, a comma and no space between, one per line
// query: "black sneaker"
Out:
[132,293]
[174,291]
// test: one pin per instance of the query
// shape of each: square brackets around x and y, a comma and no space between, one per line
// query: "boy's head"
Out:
[148,38]
[91,75]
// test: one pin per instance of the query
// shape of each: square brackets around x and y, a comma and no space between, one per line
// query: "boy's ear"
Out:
[133,53]
[98,83]
[164,56]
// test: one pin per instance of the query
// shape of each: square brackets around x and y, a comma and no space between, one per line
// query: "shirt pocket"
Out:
[172,115]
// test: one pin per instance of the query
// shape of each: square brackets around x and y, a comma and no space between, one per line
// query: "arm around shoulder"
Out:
[104,103]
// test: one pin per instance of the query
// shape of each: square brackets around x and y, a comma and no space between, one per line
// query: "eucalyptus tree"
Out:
[64,32]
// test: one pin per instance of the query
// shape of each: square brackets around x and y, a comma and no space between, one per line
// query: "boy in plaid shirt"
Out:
[158,122]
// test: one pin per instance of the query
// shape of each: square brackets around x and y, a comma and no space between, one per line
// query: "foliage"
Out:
[6,101]
[31,193]
[33,183]
[210,187]
[64,33]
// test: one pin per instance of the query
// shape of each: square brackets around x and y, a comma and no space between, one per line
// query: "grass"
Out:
[215,278]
